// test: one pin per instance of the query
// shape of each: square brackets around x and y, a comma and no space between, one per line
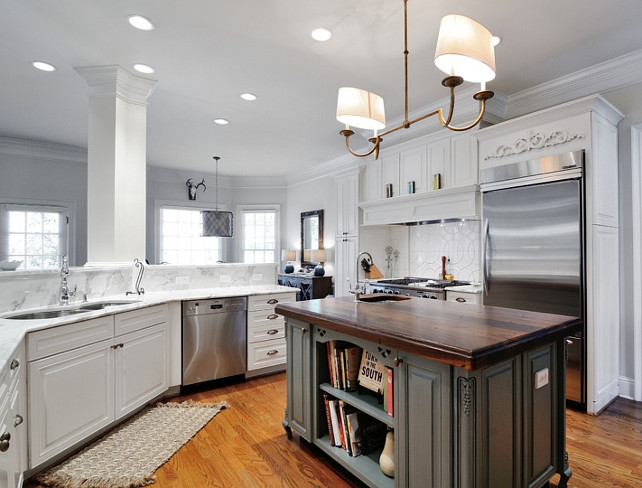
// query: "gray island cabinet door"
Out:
[299,377]
[424,438]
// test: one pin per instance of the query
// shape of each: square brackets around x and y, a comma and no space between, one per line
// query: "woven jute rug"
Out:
[128,456]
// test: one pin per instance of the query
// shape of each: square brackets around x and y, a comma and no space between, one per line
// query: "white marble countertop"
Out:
[473,288]
[14,331]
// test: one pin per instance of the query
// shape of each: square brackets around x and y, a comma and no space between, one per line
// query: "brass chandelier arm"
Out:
[374,140]
[447,125]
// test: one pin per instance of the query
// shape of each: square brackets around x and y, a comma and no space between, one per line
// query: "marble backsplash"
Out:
[33,289]
[458,241]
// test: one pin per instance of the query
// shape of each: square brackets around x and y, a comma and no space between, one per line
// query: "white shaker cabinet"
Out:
[347,235]
[13,426]
[83,376]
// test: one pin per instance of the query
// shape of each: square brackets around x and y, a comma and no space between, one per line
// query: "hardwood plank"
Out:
[245,446]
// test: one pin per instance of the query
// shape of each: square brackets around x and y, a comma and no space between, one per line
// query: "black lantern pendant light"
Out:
[217,223]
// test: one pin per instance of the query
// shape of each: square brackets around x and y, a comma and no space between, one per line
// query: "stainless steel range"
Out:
[415,287]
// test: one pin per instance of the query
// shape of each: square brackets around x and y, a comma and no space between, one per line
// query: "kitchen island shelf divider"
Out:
[366,403]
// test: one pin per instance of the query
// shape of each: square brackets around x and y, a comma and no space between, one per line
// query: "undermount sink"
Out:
[382,297]
[46,314]
[64,312]
[101,305]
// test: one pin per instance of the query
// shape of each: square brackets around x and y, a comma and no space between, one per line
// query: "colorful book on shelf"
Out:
[334,418]
[372,434]
[355,437]
[389,394]
[345,443]
[371,372]
[353,360]
[327,415]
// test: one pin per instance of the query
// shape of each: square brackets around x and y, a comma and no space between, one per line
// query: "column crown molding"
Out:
[115,81]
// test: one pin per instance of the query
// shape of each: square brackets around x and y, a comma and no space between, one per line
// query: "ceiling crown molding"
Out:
[610,75]
[43,150]
[115,81]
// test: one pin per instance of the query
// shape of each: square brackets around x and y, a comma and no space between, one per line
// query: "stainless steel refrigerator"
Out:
[533,245]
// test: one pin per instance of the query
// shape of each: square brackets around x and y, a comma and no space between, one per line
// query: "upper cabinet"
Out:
[347,191]
[589,123]
[440,163]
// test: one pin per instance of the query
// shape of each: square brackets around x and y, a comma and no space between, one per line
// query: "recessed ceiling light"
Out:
[321,34]
[140,22]
[143,68]
[496,40]
[41,65]
[248,96]
[221,121]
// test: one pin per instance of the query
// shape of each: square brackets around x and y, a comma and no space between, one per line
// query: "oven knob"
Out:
[424,296]
[434,297]
[397,293]
[389,292]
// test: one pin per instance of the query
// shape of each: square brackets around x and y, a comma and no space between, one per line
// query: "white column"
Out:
[116,175]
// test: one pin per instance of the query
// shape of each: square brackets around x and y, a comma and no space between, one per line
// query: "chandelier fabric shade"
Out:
[360,108]
[465,48]
[217,223]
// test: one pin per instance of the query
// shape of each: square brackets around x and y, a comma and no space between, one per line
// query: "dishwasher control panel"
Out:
[214,305]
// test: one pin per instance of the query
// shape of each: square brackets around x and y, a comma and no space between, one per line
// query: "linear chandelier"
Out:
[465,51]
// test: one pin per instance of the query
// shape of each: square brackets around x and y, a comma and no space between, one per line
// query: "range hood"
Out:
[449,203]
[217,223]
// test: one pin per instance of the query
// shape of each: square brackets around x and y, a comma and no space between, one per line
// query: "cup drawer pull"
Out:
[272,352]
[272,316]
[272,301]
[14,364]
[460,300]
[272,332]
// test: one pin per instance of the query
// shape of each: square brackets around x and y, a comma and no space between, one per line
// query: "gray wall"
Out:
[33,171]
[629,101]
[316,194]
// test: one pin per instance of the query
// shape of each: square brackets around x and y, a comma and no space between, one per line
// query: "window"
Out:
[180,238]
[259,228]
[34,234]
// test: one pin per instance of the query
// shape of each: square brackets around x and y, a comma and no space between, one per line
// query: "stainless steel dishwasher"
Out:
[214,339]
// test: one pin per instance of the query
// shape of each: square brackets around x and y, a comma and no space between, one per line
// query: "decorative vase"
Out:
[319,270]
[289,268]
[387,458]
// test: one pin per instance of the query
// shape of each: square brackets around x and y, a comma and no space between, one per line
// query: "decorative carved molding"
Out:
[467,393]
[534,140]
[384,352]
[466,433]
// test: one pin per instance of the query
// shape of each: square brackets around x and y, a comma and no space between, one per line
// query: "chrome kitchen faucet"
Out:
[65,293]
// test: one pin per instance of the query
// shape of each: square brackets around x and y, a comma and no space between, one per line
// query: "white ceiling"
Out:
[207,52]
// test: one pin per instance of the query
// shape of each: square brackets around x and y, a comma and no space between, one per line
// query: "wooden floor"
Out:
[245,446]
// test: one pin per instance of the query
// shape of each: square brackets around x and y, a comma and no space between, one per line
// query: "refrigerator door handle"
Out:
[486,236]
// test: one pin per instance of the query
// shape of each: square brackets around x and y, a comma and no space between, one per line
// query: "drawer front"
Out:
[140,318]
[54,340]
[264,354]
[267,302]
[264,325]
[456,296]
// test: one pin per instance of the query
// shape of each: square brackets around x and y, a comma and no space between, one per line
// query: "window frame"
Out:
[66,209]
[241,210]
[182,205]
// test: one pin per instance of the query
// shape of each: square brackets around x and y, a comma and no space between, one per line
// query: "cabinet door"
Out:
[347,188]
[345,259]
[373,187]
[141,367]
[463,161]
[70,397]
[413,168]
[424,439]
[390,174]
[438,162]
[299,377]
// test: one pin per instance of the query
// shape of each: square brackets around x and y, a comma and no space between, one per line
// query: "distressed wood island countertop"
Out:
[468,336]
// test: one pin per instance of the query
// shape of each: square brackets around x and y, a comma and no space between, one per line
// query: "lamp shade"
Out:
[289,255]
[217,223]
[465,49]
[360,108]
[318,256]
